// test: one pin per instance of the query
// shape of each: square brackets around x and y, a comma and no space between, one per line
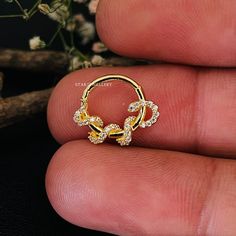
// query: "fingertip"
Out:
[65,190]
[105,188]
[56,182]
[108,28]
[73,188]
[186,32]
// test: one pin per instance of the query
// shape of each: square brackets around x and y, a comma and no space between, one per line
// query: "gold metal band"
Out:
[138,90]
[123,136]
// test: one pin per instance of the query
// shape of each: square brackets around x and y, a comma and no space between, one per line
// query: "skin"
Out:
[179,176]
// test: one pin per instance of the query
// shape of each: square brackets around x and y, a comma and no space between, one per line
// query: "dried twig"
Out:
[50,61]
[35,61]
[18,108]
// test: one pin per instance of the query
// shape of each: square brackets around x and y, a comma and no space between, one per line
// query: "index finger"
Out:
[199,32]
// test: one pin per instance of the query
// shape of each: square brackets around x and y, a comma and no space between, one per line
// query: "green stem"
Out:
[25,14]
[19,5]
[81,55]
[54,36]
[65,45]
[32,13]
[72,42]
[69,4]
[11,16]
[34,9]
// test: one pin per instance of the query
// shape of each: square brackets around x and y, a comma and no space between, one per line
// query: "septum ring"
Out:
[123,136]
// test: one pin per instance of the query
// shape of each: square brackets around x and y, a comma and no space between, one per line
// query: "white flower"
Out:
[44,8]
[93,6]
[36,43]
[70,25]
[87,64]
[99,47]
[97,60]
[79,18]
[86,31]
[59,12]
[75,63]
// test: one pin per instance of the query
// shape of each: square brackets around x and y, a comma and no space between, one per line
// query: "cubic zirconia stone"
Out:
[149,103]
[92,119]
[143,125]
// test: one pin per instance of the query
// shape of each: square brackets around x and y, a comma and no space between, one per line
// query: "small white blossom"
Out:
[86,31]
[75,63]
[93,6]
[36,43]
[99,47]
[87,64]
[44,8]
[70,25]
[97,60]
[79,18]
[59,12]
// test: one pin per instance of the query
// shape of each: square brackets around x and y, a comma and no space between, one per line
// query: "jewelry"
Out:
[123,136]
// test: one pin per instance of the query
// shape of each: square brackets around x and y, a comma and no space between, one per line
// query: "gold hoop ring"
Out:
[123,136]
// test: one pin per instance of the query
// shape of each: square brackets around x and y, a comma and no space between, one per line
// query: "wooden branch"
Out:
[21,107]
[35,61]
[17,108]
[50,61]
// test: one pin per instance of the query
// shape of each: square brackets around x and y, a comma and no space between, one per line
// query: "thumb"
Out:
[139,191]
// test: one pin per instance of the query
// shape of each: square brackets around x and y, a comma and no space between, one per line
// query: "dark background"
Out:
[27,147]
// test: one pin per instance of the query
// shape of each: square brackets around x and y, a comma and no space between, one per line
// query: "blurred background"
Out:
[27,147]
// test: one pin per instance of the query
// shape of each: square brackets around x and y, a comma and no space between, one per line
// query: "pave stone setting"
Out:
[82,118]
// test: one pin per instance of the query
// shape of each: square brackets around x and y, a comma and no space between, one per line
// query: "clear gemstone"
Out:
[92,119]
[134,106]
[131,108]
[143,125]
[153,120]
[143,103]
[155,108]
[103,135]
[106,129]
[149,103]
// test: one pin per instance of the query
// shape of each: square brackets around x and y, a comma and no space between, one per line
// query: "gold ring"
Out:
[123,136]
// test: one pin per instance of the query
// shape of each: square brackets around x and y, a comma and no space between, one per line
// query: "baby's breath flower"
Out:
[87,31]
[59,11]
[99,47]
[79,18]
[70,25]
[87,64]
[97,60]
[44,8]
[75,63]
[93,6]
[36,43]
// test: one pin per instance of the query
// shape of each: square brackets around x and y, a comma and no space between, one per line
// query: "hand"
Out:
[169,182]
